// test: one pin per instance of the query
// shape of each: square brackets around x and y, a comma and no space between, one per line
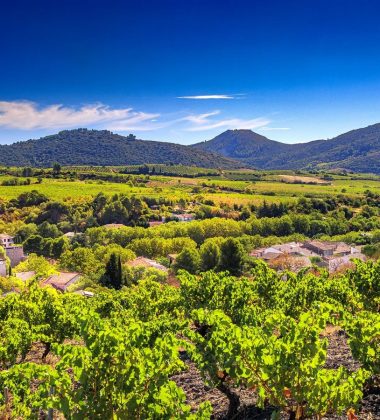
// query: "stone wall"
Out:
[15,254]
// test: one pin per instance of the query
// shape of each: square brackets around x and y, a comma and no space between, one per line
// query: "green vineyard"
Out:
[114,355]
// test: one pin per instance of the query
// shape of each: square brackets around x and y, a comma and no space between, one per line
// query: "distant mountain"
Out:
[94,147]
[358,150]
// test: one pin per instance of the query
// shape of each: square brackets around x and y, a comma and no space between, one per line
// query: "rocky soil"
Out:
[339,354]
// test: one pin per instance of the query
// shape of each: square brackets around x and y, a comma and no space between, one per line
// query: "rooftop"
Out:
[6,236]
[146,262]
[25,275]
[326,246]
[61,280]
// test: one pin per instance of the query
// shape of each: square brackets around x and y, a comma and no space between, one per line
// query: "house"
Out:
[25,275]
[324,249]
[297,255]
[336,262]
[70,235]
[183,217]
[14,252]
[345,249]
[6,240]
[3,267]
[113,225]
[147,263]
[84,293]
[294,248]
[266,254]
[155,223]
[62,280]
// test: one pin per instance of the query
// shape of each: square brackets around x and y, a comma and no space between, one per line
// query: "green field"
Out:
[218,190]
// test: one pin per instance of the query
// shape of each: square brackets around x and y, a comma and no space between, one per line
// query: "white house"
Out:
[6,240]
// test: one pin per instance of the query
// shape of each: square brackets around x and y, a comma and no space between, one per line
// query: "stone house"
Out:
[13,251]
[62,280]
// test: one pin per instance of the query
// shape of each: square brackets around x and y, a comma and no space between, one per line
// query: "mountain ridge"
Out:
[102,147]
[357,150]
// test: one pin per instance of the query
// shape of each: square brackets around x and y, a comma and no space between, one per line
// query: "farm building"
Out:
[296,255]
[62,280]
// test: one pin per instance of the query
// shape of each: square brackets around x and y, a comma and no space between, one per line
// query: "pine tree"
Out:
[232,256]
[188,260]
[210,255]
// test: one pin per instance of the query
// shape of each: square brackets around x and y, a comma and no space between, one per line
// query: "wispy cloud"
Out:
[205,97]
[25,115]
[200,118]
[204,122]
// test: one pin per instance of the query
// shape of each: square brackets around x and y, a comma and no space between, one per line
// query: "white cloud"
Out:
[200,118]
[204,122]
[24,115]
[203,97]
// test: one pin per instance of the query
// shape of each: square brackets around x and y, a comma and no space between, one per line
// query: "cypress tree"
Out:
[114,273]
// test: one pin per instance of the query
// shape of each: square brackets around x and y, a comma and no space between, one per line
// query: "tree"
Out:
[114,213]
[27,172]
[48,230]
[113,276]
[188,260]
[56,169]
[210,255]
[59,246]
[83,261]
[232,256]
[33,244]
[31,198]
[38,264]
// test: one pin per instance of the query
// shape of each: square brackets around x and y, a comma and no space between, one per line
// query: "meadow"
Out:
[271,187]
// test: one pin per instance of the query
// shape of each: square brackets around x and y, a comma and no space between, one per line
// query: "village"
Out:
[293,256]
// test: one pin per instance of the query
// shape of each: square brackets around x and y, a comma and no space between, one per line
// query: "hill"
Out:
[358,150]
[94,147]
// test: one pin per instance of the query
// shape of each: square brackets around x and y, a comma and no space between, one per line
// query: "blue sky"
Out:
[186,70]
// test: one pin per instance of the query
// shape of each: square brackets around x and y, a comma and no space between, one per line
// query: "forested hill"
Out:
[94,147]
[357,150]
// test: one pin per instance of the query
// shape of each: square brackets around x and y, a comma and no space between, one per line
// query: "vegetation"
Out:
[263,335]
[357,150]
[203,305]
[93,147]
